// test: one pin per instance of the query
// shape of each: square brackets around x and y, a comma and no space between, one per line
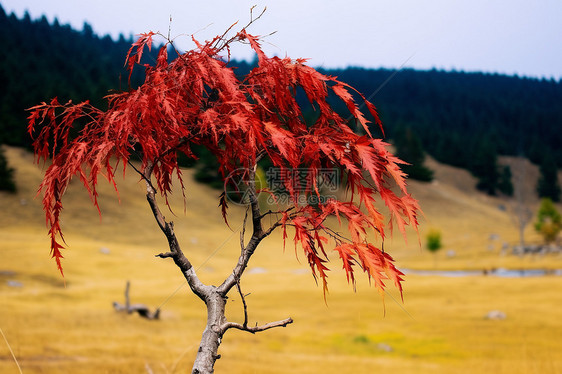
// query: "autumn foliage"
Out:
[196,98]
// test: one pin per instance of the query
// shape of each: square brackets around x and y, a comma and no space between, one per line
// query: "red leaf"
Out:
[340,90]
[224,206]
[346,253]
[136,51]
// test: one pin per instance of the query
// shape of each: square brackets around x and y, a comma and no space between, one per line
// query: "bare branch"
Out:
[224,34]
[253,330]
[143,176]
[243,232]
[271,228]
[257,236]
[167,228]
[182,141]
[127,300]
[151,197]
[336,235]
[254,205]
[226,42]
[259,156]
[269,212]
[129,308]
[245,324]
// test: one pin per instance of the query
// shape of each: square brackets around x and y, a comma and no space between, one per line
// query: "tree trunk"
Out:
[215,298]
[212,336]
[522,225]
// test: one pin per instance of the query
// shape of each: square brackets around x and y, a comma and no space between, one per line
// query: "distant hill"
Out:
[449,203]
[455,113]
[461,119]
[42,60]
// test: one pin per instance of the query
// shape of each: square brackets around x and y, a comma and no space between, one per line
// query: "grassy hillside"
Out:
[55,325]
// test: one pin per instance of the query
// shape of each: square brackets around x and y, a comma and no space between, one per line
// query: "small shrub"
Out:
[433,241]
[549,221]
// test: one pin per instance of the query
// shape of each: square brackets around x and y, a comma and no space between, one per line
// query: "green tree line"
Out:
[41,60]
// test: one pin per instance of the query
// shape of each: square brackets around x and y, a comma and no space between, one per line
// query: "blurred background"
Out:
[469,94]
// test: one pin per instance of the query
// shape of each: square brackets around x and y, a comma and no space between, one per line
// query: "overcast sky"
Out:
[507,36]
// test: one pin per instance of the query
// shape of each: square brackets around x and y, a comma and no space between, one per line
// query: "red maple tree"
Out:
[196,99]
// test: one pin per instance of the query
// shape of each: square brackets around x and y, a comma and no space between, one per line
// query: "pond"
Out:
[499,272]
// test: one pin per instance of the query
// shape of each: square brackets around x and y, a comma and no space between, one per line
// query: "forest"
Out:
[465,119]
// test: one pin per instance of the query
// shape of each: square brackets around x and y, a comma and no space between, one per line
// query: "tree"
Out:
[484,166]
[549,221]
[505,186]
[197,100]
[433,242]
[409,149]
[6,174]
[548,185]
[522,214]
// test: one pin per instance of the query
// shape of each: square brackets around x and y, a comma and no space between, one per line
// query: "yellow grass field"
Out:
[56,325]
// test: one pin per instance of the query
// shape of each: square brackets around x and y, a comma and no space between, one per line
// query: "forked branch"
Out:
[258,235]
[243,298]
[244,325]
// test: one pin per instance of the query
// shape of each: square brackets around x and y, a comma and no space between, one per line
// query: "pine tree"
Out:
[409,148]
[505,186]
[484,166]
[6,174]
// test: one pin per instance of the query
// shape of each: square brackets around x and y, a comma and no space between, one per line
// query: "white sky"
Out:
[507,36]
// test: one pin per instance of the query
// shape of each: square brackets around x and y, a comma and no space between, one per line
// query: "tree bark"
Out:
[522,215]
[212,335]
[214,297]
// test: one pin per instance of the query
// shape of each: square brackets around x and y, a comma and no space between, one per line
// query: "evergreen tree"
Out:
[536,149]
[206,168]
[409,149]
[548,185]
[6,174]
[505,186]
[484,166]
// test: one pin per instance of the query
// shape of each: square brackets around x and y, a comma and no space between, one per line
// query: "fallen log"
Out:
[141,309]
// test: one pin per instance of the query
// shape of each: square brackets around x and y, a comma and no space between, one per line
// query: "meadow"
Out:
[54,324]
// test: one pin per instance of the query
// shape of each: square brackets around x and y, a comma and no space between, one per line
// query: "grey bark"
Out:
[214,297]
[207,353]
[522,215]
